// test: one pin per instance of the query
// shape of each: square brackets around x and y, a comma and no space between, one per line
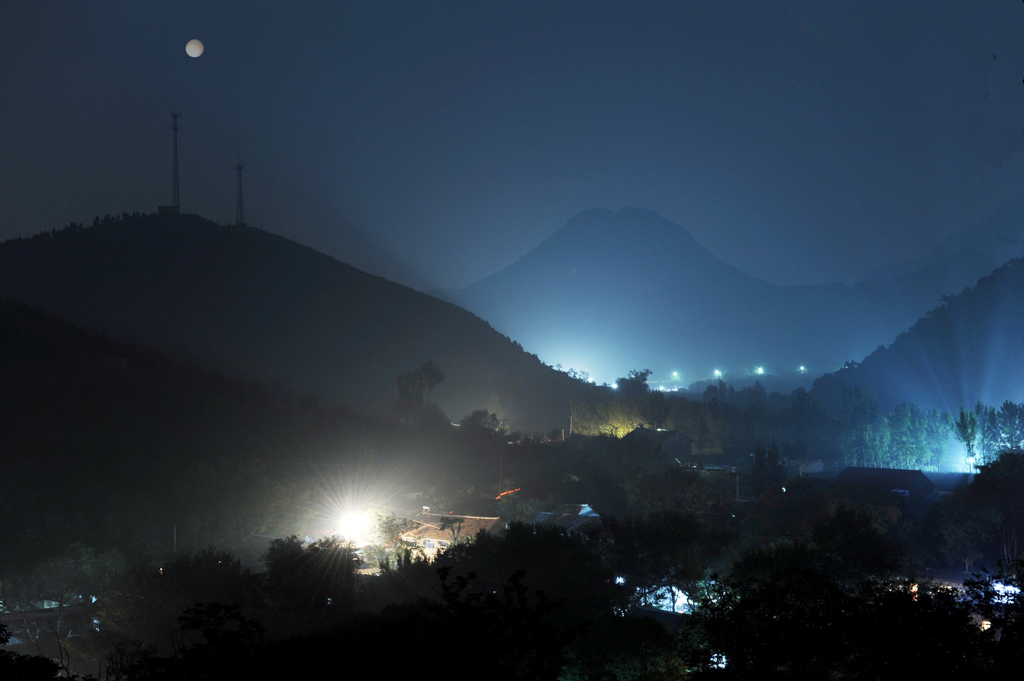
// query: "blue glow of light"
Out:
[668,598]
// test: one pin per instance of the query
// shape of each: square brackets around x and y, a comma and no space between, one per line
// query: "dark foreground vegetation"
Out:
[533,604]
[140,500]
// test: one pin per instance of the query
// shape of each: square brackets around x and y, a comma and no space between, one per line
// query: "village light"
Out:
[1006,592]
[355,527]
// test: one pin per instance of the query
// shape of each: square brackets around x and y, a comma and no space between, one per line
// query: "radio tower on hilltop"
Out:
[239,213]
[175,206]
[174,187]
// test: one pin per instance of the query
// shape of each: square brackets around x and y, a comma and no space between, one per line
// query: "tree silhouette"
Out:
[998,485]
[635,384]
[767,470]
[314,581]
[481,420]
[17,666]
[454,525]
[965,429]
[432,375]
[412,385]
[1011,426]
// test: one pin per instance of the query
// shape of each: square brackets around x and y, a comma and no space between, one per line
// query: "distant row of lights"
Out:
[717,373]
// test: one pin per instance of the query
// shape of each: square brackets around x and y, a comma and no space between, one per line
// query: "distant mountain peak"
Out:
[616,290]
[604,237]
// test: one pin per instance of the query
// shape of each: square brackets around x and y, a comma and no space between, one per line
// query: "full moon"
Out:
[194,48]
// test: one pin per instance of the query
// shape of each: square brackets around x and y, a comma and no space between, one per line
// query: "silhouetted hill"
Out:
[106,445]
[614,291]
[970,348]
[265,308]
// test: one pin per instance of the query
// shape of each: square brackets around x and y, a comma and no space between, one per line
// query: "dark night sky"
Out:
[800,141]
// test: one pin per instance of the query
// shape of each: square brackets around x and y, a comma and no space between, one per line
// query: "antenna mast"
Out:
[239,213]
[175,206]
[174,186]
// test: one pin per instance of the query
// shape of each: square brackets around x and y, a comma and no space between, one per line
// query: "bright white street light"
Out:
[355,527]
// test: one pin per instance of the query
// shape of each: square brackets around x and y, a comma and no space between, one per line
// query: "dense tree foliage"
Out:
[998,487]
[797,623]
[727,425]
[143,603]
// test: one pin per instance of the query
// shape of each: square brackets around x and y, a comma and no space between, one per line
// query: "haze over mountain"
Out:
[365,251]
[969,349]
[992,242]
[262,307]
[613,291]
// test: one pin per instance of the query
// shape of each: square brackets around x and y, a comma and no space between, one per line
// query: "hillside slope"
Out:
[970,348]
[265,308]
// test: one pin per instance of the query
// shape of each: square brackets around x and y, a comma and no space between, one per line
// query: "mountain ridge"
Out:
[994,240]
[968,349]
[260,306]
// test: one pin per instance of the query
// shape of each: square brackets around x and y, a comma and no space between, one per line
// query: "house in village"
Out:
[571,518]
[432,534]
[669,444]
[914,485]
[946,484]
